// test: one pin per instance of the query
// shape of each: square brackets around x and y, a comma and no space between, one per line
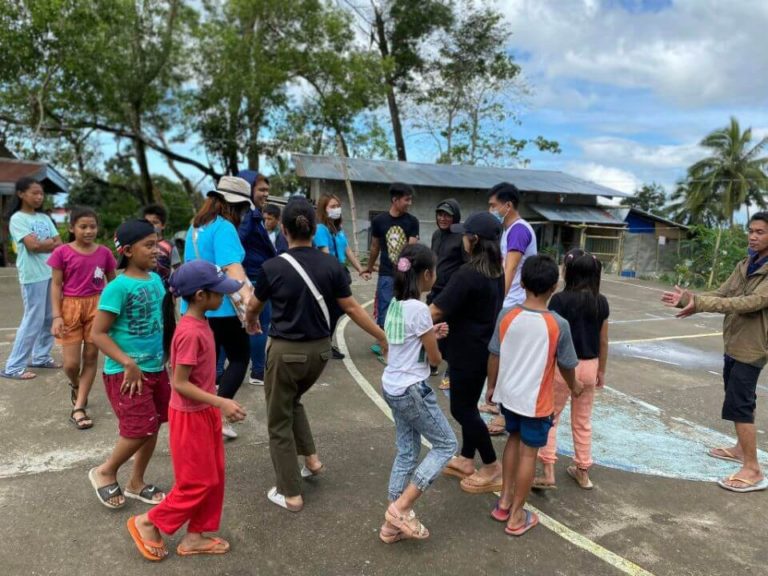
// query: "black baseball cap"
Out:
[445,207]
[482,224]
[130,232]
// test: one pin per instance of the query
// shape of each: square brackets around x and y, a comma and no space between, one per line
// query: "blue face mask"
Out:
[499,216]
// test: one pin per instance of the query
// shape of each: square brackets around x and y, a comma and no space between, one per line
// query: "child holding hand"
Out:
[194,418]
[530,342]
[412,349]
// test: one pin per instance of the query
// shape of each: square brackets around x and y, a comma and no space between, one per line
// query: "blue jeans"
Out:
[417,414]
[33,338]
[384,291]
[259,343]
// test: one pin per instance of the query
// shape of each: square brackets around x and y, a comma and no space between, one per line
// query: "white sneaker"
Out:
[227,431]
[255,381]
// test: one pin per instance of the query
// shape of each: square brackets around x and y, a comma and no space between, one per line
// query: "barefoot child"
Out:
[132,329]
[412,349]
[528,343]
[194,418]
[586,311]
[81,270]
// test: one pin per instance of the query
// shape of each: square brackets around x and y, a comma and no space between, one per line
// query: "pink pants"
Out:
[581,415]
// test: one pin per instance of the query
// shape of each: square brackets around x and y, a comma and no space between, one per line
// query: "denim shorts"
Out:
[533,431]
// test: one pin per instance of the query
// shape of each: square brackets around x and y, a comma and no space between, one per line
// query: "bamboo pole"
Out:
[350,194]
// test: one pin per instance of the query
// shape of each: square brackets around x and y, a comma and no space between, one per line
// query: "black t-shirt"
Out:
[470,303]
[296,314]
[585,318]
[393,235]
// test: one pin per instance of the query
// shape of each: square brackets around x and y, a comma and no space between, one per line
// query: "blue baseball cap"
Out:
[482,224]
[201,275]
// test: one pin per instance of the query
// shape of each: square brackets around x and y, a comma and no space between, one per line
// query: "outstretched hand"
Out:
[680,298]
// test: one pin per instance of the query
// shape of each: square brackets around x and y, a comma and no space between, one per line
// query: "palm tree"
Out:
[734,175]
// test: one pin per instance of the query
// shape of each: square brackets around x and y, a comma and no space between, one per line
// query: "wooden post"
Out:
[350,194]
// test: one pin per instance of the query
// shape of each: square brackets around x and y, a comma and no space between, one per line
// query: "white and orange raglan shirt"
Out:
[530,345]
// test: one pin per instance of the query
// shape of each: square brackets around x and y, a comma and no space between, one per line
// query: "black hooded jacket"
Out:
[449,250]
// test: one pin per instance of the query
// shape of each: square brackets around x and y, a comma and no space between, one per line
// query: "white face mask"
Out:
[334,213]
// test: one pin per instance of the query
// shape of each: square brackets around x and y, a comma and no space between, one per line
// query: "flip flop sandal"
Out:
[489,409]
[408,524]
[145,545]
[80,423]
[573,472]
[216,546]
[455,472]
[497,426]
[49,365]
[104,493]
[309,473]
[531,520]
[726,455]
[25,375]
[276,498]
[146,494]
[539,484]
[475,484]
[445,384]
[500,514]
[750,486]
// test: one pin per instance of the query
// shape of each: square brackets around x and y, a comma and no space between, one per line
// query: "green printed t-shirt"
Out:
[138,328]
[32,266]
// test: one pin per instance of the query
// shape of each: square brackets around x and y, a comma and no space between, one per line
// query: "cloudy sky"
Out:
[629,87]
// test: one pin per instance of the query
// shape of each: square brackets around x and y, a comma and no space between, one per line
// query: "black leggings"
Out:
[229,334]
[466,388]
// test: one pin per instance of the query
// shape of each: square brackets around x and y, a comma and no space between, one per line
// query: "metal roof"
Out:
[623,212]
[13,170]
[577,214]
[445,176]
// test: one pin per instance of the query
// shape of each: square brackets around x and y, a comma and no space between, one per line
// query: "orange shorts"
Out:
[78,313]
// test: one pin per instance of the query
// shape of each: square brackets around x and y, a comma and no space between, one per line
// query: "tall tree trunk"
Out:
[252,146]
[148,194]
[394,110]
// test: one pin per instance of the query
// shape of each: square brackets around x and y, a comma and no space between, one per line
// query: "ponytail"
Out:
[413,261]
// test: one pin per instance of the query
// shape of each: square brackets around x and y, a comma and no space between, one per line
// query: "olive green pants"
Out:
[292,369]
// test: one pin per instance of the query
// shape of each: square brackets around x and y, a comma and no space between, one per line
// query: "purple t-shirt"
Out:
[84,274]
[519,237]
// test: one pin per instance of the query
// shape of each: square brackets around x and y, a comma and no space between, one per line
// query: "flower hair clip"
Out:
[403,265]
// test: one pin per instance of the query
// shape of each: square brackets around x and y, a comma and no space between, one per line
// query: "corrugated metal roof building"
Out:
[562,208]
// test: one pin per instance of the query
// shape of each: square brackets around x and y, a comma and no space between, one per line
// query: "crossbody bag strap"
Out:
[311,285]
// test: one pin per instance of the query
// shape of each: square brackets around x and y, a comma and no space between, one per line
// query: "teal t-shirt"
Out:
[336,244]
[138,328]
[32,266]
[217,242]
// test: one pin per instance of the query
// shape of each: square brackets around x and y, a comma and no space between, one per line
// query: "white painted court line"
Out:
[611,558]
[634,285]
[663,338]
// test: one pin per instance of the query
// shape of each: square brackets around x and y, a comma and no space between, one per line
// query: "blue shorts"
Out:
[533,431]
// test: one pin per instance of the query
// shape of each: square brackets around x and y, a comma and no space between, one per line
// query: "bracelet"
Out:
[56,317]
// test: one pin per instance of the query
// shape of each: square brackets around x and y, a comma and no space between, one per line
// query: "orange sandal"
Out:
[216,546]
[145,545]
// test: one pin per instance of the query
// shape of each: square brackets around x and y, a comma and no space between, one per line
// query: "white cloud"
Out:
[622,150]
[609,176]
[692,53]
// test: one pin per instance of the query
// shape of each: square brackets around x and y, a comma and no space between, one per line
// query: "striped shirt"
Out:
[530,345]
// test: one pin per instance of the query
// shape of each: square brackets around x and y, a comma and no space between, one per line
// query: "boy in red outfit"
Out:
[194,417]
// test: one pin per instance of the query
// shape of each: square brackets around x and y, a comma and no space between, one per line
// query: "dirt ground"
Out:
[655,508]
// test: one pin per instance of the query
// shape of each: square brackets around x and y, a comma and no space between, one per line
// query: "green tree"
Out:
[733,175]
[470,91]
[649,198]
[83,70]
[400,31]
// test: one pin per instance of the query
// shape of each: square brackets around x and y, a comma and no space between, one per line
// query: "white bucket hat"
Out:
[233,190]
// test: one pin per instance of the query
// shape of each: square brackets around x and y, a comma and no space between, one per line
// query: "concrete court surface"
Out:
[643,517]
